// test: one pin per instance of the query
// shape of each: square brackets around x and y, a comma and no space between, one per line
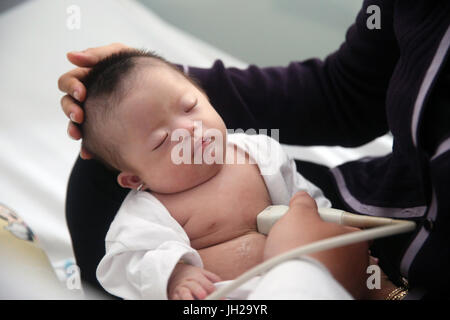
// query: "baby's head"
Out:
[137,107]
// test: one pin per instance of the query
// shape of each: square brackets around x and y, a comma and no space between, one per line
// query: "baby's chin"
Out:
[206,173]
[195,176]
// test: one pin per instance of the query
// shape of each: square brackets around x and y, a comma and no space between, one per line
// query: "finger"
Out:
[197,290]
[211,276]
[70,83]
[91,56]
[185,294]
[73,131]
[351,229]
[82,59]
[302,206]
[373,260]
[85,155]
[304,199]
[208,285]
[176,296]
[72,110]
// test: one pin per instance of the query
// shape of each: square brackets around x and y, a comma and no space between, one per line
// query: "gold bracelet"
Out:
[397,294]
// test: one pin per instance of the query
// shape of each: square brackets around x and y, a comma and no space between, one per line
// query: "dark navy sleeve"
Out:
[338,101]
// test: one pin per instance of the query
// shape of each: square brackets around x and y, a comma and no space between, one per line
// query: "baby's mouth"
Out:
[206,141]
[202,143]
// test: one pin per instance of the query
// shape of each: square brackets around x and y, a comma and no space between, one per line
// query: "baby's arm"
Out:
[188,282]
[143,246]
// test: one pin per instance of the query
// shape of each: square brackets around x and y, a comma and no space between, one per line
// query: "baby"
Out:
[189,220]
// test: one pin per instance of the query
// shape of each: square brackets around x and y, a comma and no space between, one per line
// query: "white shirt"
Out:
[144,242]
[299,279]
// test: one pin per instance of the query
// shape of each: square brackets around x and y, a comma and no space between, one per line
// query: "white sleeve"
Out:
[296,182]
[299,279]
[280,172]
[143,245]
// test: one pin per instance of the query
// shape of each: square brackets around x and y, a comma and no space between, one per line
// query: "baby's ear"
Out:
[129,180]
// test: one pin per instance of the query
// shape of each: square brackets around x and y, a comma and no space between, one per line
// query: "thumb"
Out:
[301,206]
[304,200]
[305,206]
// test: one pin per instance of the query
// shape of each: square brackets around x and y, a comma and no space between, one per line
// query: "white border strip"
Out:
[358,206]
[427,81]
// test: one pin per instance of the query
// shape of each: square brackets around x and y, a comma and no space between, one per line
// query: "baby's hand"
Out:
[188,283]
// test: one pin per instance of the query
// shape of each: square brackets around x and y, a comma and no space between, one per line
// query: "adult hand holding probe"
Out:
[347,264]
[348,259]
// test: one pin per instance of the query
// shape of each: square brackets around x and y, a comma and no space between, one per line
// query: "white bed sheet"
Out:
[36,155]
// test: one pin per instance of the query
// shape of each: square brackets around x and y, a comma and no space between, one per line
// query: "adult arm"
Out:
[338,101]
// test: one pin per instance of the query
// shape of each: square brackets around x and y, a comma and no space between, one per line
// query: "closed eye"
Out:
[192,106]
[162,141]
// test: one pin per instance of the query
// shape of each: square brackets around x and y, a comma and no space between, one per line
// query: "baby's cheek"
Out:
[171,178]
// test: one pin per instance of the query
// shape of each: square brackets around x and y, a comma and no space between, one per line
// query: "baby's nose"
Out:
[188,125]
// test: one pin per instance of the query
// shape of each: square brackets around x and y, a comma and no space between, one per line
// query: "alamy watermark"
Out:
[374,20]
[207,147]
[374,280]
[73,280]
[73,21]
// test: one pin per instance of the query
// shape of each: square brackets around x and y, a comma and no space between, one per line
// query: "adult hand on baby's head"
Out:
[302,225]
[71,84]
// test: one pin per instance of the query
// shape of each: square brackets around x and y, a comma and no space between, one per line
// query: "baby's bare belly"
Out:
[231,258]
[228,244]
